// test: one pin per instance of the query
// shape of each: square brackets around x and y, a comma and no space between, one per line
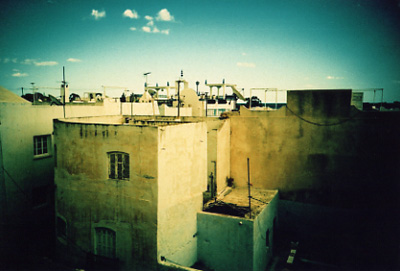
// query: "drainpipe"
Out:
[214,185]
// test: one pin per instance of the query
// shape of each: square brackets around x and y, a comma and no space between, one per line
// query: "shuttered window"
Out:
[118,165]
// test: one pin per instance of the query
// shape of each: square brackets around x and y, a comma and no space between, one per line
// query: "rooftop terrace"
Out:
[235,202]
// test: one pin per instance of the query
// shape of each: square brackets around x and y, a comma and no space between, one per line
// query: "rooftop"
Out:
[235,201]
[132,120]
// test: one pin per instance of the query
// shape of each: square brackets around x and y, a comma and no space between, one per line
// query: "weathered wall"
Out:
[265,221]
[225,242]
[346,154]
[182,156]
[223,155]
[85,196]
[140,108]
[173,111]
[191,100]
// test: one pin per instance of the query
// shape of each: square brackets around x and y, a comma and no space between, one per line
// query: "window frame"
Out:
[118,165]
[42,146]
[102,248]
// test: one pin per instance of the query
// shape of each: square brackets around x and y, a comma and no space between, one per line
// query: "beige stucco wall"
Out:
[190,99]
[290,154]
[173,111]
[223,155]
[86,198]
[182,169]
[218,154]
[140,109]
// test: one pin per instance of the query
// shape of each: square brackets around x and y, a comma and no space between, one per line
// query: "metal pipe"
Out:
[64,90]
[248,183]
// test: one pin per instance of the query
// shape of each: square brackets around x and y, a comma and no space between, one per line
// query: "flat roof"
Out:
[120,120]
[235,201]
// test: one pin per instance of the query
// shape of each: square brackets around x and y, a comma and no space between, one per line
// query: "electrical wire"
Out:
[321,124]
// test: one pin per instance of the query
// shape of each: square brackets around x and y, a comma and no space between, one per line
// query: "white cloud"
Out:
[73,60]
[18,74]
[28,61]
[154,29]
[6,60]
[98,15]
[164,15]
[149,18]
[131,14]
[146,29]
[330,77]
[150,23]
[244,54]
[14,60]
[246,64]
[132,28]
[46,63]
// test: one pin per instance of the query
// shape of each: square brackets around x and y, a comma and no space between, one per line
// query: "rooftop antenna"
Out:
[179,97]
[64,85]
[33,91]
[146,75]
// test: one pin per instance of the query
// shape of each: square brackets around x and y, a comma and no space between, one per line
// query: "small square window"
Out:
[41,145]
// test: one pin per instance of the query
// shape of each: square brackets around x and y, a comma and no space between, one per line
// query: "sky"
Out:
[284,44]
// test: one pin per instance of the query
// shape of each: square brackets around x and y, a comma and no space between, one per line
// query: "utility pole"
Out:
[22,91]
[63,82]
[179,95]
[248,183]
[197,87]
[33,92]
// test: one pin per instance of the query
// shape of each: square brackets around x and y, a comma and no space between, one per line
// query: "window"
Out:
[105,242]
[118,165]
[61,228]
[41,145]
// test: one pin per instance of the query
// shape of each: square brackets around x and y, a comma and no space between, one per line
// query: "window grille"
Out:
[105,243]
[118,165]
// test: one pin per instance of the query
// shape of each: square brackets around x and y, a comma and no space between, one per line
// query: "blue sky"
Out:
[285,44]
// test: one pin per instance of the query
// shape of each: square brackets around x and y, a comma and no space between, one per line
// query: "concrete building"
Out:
[128,191]
[27,169]
[336,169]
[232,237]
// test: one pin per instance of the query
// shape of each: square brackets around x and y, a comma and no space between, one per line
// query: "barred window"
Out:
[105,242]
[118,165]
[41,145]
